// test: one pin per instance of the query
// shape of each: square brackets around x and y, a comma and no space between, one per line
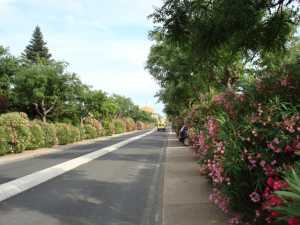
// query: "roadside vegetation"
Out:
[43,104]
[230,71]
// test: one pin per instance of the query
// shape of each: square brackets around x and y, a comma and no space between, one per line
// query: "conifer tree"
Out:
[37,49]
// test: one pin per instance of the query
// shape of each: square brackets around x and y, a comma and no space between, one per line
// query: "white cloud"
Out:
[5,7]
[126,83]
[132,52]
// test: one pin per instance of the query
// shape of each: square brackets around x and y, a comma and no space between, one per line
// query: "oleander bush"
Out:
[16,125]
[49,132]
[129,124]
[89,120]
[18,133]
[139,125]
[88,132]
[66,133]
[37,137]
[237,85]
[245,141]
[119,126]
[289,210]
[4,141]
[108,127]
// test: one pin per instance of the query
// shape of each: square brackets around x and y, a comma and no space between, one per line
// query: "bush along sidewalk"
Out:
[18,133]
[245,144]
[289,207]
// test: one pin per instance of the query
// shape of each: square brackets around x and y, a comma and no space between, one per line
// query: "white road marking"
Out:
[17,186]
[173,139]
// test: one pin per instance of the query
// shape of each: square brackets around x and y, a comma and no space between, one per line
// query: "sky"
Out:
[104,41]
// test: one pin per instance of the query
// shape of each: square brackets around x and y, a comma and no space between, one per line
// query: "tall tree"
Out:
[42,88]
[8,68]
[37,49]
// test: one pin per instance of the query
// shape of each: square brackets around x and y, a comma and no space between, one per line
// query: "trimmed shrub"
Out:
[82,133]
[119,126]
[95,124]
[4,141]
[16,126]
[37,136]
[88,132]
[66,133]
[139,125]
[130,124]
[108,127]
[49,133]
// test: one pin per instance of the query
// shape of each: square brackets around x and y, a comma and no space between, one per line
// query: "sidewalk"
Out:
[186,193]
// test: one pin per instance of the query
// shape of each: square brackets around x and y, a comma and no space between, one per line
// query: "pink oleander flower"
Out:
[219,99]
[262,163]
[279,185]
[220,148]
[274,162]
[235,220]
[201,138]
[273,145]
[213,127]
[275,214]
[253,162]
[293,221]
[201,143]
[270,182]
[257,213]
[274,200]
[225,99]
[267,193]
[290,123]
[255,197]
[220,200]
[269,170]
[296,144]
[269,220]
[216,172]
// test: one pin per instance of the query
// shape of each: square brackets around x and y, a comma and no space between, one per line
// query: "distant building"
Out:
[151,110]
[148,109]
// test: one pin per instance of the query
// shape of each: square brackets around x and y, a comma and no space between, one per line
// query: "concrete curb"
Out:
[29,154]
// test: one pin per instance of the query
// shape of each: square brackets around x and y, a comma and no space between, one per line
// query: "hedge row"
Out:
[18,133]
[246,142]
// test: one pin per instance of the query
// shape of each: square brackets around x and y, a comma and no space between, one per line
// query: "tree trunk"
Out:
[44,118]
[43,111]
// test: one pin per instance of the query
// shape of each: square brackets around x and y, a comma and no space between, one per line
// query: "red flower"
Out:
[275,214]
[279,185]
[288,149]
[270,181]
[267,193]
[274,200]
[293,221]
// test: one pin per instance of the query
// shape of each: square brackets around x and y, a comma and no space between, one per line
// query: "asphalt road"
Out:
[120,188]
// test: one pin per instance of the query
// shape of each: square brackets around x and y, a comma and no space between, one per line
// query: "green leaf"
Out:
[288,194]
